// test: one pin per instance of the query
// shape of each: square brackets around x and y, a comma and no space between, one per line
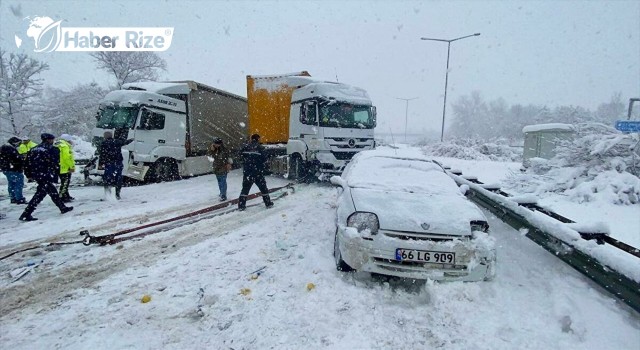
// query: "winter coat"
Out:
[254,159]
[24,148]
[221,158]
[110,152]
[10,159]
[42,163]
[66,156]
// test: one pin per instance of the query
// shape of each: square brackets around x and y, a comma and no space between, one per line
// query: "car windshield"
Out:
[345,115]
[117,117]
[400,174]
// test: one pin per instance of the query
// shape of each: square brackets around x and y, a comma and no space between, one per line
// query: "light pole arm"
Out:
[443,40]
[463,37]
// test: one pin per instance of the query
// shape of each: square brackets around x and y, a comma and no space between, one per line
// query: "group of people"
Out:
[44,163]
[49,161]
[254,169]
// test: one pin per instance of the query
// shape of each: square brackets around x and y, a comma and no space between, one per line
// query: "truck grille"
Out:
[343,155]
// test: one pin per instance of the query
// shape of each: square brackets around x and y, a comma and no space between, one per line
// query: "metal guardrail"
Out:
[621,286]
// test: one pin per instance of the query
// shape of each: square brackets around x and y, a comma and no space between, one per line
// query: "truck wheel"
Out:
[297,170]
[165,170]
[341,265]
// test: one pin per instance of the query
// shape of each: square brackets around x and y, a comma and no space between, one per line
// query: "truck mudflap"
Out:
[137,172]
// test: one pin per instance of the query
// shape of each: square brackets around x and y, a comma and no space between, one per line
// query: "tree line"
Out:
[28,107]
[475,118]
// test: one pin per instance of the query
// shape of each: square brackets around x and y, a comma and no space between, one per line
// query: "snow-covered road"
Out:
[203,293]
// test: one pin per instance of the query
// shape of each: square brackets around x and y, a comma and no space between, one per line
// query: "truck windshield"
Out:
[344,115]
[117,117]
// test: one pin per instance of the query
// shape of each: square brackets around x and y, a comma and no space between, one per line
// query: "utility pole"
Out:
[446,79]
[406,114]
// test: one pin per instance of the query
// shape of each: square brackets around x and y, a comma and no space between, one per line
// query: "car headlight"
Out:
[364,221]
[479,225]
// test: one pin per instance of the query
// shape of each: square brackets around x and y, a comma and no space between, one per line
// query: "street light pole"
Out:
[446,79]
[406,114]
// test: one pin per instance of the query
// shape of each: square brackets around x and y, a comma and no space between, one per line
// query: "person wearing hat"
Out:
[221,165]
[67,166]
[254,168]
[42,165]
[11,164]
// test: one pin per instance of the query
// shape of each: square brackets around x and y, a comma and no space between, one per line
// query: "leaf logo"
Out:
[49,38]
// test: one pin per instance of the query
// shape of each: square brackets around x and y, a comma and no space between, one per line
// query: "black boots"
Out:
[267,201]
[27,217]
[65,210]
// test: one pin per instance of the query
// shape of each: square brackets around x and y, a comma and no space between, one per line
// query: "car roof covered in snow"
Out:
[398,170]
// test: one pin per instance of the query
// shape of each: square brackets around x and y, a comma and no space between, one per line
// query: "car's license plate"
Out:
[425,256]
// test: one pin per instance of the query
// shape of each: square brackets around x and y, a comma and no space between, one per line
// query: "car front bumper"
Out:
[474,260]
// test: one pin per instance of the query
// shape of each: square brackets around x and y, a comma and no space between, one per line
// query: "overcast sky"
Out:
[553,53]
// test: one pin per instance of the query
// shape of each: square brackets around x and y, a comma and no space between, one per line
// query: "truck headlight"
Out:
[364,221]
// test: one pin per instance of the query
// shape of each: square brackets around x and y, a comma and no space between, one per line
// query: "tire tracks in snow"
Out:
[51,288]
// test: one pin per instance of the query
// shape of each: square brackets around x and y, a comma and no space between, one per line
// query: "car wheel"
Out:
[341,265]
[297,169]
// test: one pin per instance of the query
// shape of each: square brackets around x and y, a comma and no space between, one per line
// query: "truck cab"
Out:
[154,121]
[329,124]
[311,127]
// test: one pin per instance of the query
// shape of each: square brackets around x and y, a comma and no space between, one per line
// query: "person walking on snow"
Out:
[11,164]
[254,168]
[42,164]
[67,166]
[221,165]
[111,157]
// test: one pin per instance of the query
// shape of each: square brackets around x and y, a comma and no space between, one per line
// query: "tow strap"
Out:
[111,238]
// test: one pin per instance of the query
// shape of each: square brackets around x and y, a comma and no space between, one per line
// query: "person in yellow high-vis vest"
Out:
[67,165]
[25,146]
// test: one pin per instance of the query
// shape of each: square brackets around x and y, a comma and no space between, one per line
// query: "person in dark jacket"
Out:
[11,164]
[254,168]
[111,157]
[42,165]
[221,165]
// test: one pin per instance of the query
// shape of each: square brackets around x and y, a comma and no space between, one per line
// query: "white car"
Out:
[404,216]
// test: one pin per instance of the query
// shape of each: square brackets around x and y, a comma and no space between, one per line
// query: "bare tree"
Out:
[130,66]
[72,111]
[20,89]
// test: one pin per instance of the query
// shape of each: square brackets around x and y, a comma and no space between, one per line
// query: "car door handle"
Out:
[161,141]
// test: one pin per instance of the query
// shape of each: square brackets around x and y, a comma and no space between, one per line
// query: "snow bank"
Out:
[496,150]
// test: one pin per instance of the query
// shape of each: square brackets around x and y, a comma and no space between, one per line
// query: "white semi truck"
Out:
[172,125]
[311,127]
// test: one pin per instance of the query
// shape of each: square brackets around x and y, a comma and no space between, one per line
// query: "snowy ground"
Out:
[204,295]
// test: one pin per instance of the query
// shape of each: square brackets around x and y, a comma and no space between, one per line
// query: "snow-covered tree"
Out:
[130,66]
[615,109]
[20,91]
[72,111]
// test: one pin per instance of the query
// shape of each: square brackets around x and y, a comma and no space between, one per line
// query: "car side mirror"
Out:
[337,181]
